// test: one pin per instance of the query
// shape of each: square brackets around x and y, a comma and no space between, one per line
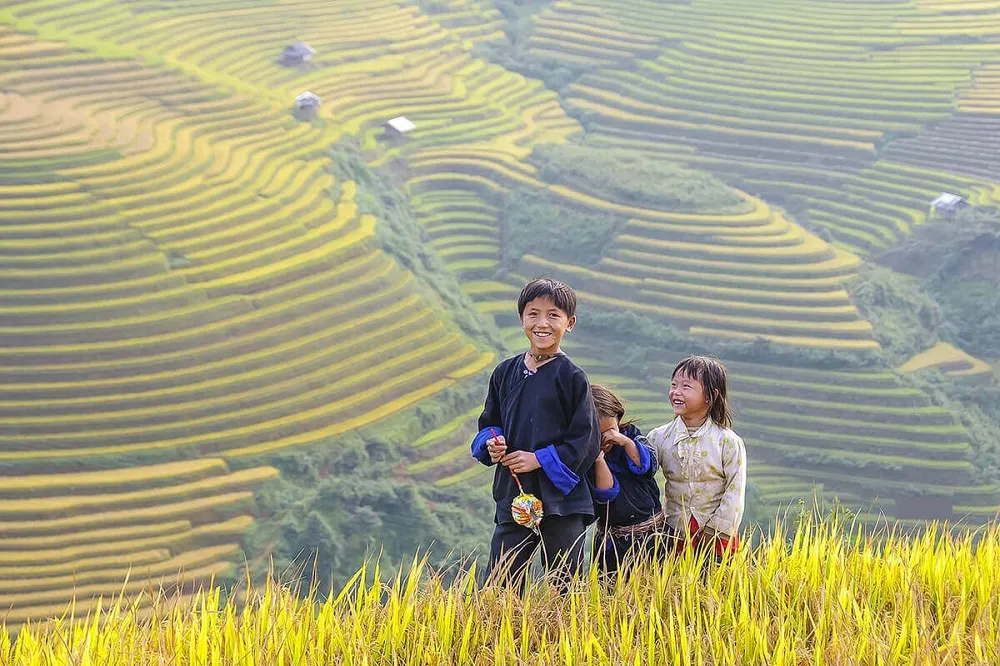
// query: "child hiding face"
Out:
[631,525]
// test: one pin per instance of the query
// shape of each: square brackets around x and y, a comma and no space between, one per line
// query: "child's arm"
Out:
[605,484]
[727,518]
[484,448]
[641,458]
[659,442]
[563,462]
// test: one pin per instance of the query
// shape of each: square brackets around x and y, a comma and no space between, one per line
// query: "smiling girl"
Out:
[703,460]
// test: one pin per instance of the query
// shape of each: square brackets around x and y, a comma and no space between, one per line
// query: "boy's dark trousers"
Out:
[513,547]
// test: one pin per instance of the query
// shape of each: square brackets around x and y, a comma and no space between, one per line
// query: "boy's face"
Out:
[687,397]
[545,324]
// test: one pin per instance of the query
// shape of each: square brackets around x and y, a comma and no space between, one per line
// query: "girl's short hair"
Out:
[713,377]
[609,405]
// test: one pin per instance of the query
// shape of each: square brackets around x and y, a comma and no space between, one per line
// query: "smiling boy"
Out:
[540,408]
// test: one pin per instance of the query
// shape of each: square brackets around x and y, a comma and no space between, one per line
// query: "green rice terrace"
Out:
[205,277]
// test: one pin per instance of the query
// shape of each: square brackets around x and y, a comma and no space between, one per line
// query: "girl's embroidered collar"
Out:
[681,428]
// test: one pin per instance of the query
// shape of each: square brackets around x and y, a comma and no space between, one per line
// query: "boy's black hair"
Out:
[545,287]
[712,374]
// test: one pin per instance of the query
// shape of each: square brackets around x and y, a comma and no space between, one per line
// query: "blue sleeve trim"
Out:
[562,477]
[645,460]
[607,494]
[479,451]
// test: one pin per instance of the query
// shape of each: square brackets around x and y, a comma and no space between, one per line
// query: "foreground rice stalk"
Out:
[824,595]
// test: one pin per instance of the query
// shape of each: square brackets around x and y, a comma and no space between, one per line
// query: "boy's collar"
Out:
[541,358]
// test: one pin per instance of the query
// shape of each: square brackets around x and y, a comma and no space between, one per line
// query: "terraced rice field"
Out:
[806,106]
[768,277]
[797,103]
[966,142]
[178,282]
[950,360]
[478,21]
[185,287]
[88,533]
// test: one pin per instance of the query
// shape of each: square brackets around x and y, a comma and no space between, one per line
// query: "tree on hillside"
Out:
[958,262]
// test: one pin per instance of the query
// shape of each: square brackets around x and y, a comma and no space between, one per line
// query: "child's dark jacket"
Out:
[635,496]
[552,414]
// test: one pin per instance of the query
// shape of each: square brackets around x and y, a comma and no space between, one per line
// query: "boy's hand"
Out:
[496,447]
[521,462]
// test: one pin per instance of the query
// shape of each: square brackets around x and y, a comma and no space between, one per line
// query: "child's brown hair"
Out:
[609,405]
[713,377]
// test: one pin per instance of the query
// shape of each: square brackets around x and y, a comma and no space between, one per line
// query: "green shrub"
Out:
[958,261]
[535,222]
[905,318]
[512,54]
[337,504]
[642,340]
[978,408]
[973,308]
[402,238]
[631,178]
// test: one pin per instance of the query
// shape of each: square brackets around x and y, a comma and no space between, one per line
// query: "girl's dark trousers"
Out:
[613,554]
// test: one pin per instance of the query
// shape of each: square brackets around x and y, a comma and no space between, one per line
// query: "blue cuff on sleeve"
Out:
[645,460]
[479,451]
[607,494]
[562,477]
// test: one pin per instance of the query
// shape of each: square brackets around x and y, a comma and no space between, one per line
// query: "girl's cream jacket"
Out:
[705,474]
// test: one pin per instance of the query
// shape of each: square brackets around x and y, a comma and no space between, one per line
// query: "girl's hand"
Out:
[496,447]
[613,437]
[606,442]
[520,462]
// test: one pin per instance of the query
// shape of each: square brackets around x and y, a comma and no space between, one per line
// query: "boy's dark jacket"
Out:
[635,496]
[552,414]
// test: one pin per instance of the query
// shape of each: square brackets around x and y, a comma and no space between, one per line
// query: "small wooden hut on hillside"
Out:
[397,128]
[307,104]
[296,54]
[948,204]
